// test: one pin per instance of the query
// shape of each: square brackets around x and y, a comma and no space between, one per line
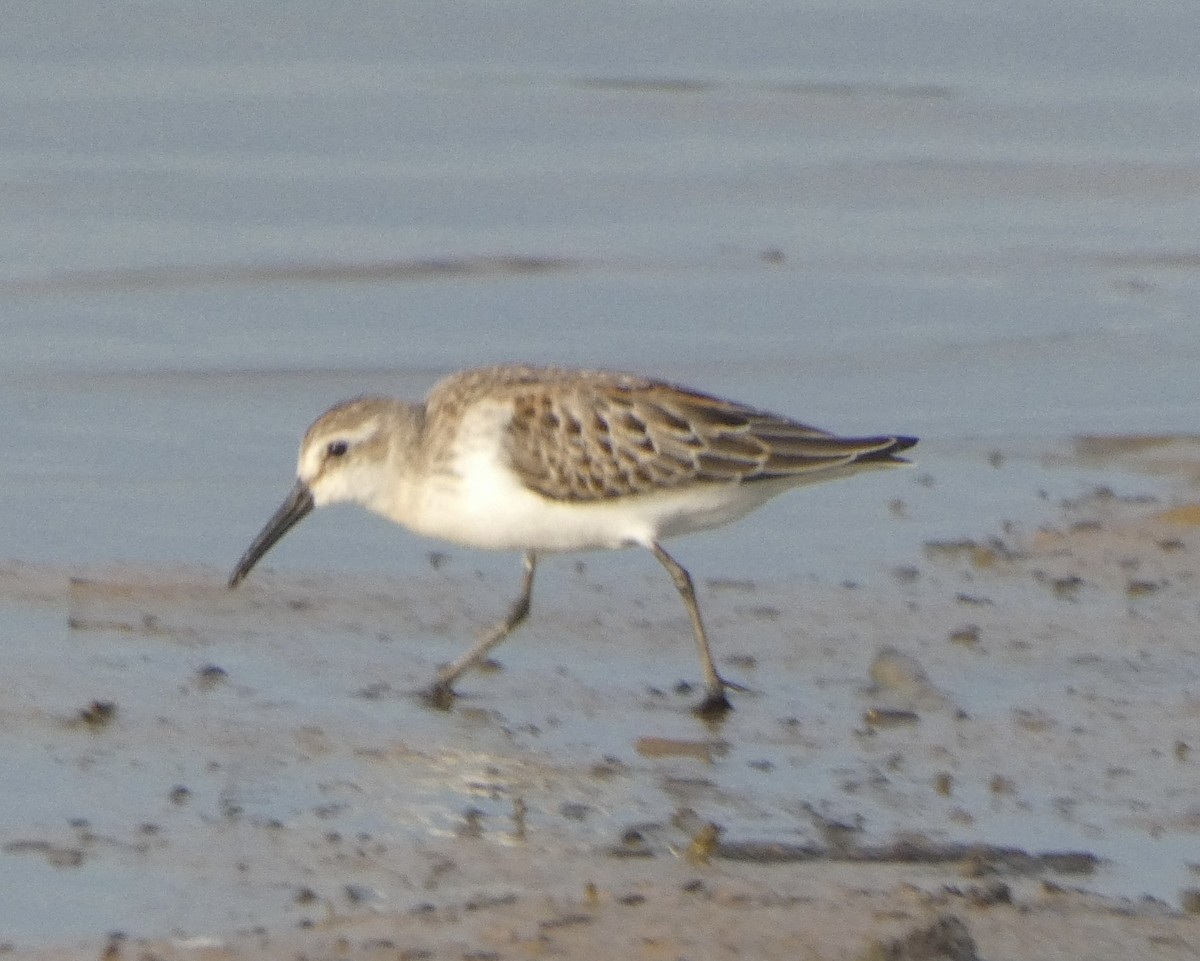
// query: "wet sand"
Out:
[669,909]
[991,753]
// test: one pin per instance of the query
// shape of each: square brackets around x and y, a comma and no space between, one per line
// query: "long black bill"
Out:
[299,502]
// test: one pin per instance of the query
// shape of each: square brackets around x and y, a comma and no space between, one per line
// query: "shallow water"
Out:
[971,223]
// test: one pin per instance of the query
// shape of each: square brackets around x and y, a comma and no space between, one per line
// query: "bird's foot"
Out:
[714,706]
[439,695]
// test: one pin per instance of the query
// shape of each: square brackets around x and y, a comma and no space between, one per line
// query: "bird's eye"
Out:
[337,448]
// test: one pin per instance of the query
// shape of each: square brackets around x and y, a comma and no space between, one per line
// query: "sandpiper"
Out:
[545,460]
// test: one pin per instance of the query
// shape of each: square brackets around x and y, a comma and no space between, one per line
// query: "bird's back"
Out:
[578,436]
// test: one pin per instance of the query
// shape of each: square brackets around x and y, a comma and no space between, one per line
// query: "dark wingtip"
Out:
[899,444]
[887,450]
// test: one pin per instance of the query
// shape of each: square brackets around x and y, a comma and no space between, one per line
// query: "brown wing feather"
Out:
[591,436]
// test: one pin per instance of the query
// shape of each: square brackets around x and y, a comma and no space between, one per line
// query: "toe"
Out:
[439,695]
[715,705]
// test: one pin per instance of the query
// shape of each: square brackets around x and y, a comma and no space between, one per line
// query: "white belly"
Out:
[497,512]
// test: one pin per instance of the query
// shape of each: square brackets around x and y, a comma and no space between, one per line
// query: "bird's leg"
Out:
[715,702]
[442,691]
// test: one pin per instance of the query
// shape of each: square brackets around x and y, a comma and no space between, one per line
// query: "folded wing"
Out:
[615,435]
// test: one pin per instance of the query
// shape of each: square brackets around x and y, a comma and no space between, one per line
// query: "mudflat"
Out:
[989,753]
